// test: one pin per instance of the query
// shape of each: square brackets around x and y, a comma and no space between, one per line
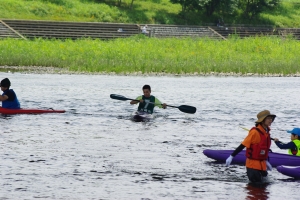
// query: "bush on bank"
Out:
[142,54]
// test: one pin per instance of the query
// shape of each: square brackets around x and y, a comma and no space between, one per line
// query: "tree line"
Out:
[249,8]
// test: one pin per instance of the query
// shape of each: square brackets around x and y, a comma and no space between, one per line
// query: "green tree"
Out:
[252,8]
[222,7]
[208,7]
[186,5]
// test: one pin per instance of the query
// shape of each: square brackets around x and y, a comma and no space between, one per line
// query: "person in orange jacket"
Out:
[257,144]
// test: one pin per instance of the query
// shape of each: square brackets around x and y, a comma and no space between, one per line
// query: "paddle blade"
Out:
[118,97]
[187,109]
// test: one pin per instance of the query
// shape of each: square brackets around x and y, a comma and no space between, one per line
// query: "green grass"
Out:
[143,12]
[287,15]
[141,54]
[260,55]
[89,11]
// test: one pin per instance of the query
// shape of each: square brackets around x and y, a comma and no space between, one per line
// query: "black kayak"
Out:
[139,116]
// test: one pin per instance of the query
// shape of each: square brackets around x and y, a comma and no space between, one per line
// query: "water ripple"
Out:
[95,150]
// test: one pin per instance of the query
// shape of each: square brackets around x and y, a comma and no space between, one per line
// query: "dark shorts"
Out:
[255,175]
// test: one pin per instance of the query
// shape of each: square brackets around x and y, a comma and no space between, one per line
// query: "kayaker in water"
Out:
[9,98]
[258,143]
[293,146]
[147,102]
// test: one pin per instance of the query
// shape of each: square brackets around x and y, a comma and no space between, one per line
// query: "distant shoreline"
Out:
[57,70]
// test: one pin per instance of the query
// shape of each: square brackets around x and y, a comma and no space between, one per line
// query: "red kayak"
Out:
[6,111]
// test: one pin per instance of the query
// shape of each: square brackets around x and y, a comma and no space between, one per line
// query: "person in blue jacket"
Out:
[9,98]
[293,146]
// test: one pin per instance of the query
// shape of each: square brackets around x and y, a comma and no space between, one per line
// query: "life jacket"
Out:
[259,151]
[146,106]
[14,104]
[295,151]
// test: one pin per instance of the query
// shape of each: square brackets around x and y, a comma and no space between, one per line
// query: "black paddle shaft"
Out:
[182,108]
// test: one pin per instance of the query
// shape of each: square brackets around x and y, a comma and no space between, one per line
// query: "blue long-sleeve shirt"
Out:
[291,145]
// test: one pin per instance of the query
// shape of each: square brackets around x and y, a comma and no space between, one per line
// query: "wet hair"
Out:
[147,87]
[258,123]
[5,83]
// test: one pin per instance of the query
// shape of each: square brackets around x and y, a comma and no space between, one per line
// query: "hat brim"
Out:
[264,117]
[291,132]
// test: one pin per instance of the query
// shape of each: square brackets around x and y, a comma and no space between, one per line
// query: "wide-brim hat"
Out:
[295,131]
[263,114]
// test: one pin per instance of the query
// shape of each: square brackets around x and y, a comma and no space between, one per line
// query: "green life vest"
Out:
[146,106]
[297,152]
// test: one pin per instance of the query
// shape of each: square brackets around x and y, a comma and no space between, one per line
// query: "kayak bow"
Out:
[275,159]
[7,111]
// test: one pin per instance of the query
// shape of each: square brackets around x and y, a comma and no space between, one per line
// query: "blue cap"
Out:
[295,131]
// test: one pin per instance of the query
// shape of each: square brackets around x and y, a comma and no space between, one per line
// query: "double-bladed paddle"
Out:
[182,108]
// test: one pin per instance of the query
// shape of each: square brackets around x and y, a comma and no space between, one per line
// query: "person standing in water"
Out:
[258,143]
[9,98]
[147,102]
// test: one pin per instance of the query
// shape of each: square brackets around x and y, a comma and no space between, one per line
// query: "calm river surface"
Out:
[94,150]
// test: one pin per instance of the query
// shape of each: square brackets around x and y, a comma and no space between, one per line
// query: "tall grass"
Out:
[141,54]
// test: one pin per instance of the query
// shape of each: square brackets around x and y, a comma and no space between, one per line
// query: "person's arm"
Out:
[290,145]
[3,98]
[238,150]
[139,99]
[9,96]
[246,143]
[234,153]
[159,104]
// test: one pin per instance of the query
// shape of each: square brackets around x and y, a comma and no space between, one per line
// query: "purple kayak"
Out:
[276,159]
[290,171]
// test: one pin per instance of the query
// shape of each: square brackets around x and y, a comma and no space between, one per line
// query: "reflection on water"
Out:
[95,150]
[256,191]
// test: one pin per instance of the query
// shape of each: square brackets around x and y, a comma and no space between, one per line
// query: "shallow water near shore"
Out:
[95,150]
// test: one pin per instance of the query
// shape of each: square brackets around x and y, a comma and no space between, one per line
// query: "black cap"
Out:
[5,83]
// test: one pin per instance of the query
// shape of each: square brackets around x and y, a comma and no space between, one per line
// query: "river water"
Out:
[95,151]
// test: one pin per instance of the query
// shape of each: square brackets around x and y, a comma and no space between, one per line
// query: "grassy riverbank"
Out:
[143,12]
[260,55]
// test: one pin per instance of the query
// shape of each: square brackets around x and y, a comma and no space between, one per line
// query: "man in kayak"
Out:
[147,102]
[258,143]
[293,146]
[9,98]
